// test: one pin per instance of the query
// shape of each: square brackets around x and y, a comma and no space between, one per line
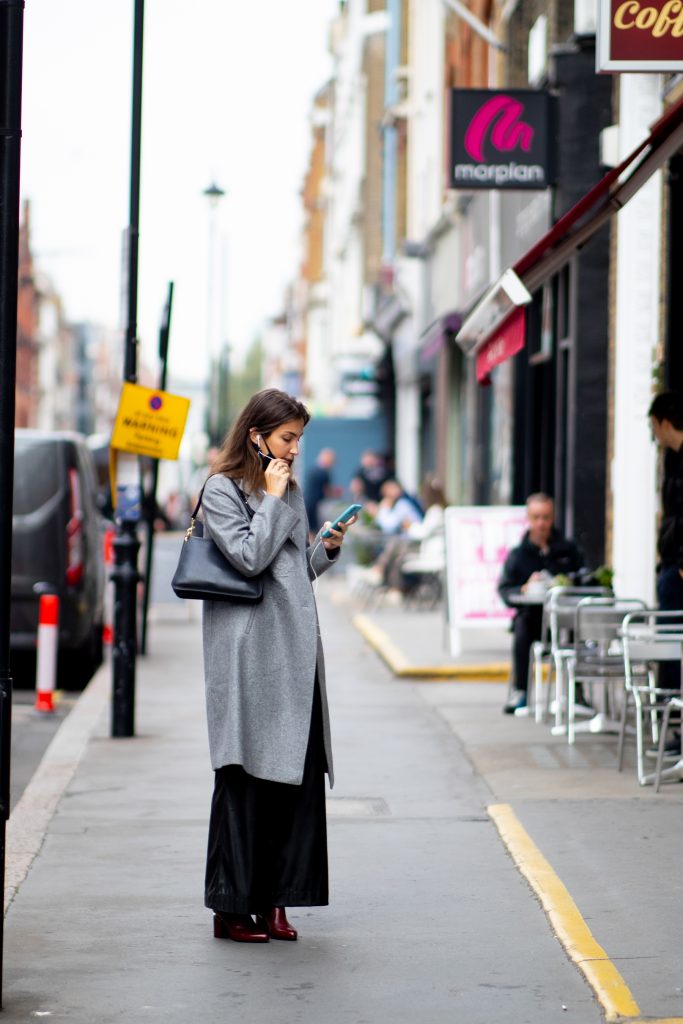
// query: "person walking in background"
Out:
[268,720]
[367,481]
[542,550]
[318,486]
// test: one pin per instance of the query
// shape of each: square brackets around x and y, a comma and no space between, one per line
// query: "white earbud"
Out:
[263,454]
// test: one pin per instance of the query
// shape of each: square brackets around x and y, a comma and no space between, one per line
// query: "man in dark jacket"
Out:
[542,553]
[666,420]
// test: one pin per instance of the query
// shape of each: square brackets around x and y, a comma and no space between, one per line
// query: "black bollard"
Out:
[126,577]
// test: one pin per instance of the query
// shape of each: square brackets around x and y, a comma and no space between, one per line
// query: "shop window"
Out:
[542,326]
[562,284]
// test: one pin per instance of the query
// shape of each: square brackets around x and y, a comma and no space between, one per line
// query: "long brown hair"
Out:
[433,493]
[264,412]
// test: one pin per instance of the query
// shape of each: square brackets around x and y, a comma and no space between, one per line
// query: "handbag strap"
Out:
[193,517]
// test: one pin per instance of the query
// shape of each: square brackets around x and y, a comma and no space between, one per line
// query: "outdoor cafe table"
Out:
[527,599]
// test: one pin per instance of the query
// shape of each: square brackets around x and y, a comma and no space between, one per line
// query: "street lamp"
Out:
[214,193]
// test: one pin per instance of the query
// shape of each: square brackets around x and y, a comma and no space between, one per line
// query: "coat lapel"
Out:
[298,535]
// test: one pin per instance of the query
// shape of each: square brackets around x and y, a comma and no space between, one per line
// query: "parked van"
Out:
[57,549]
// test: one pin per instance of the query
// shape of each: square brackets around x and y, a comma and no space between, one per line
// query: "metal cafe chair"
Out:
[650,638]
[674,705]
[597,656]
[555,646]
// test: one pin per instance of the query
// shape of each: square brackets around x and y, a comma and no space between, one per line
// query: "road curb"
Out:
[403,668]
[565,918]
[28,823]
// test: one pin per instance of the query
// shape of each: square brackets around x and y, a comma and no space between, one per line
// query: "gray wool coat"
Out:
[260,660]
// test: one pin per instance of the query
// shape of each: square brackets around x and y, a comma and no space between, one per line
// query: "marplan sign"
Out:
[640,35]
[501,138]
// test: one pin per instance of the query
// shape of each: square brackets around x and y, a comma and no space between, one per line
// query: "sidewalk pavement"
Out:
[429,918]
[414,645]
[414,642]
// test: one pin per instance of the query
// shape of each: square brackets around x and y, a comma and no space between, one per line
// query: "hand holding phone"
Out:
[347,514]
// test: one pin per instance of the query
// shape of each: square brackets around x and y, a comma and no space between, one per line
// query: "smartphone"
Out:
[347,514]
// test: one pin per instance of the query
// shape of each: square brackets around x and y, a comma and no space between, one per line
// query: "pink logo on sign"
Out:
[501,117]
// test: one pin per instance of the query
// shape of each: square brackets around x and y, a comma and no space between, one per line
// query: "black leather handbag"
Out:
[204,574]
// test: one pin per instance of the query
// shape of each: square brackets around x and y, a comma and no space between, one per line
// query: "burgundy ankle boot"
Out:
[239,928]
[275,923]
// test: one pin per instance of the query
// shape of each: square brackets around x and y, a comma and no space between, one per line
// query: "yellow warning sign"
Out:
[149,422]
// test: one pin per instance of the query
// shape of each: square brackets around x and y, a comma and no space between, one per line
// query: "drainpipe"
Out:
[391,97]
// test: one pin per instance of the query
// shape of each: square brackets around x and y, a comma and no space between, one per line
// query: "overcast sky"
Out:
[227,91]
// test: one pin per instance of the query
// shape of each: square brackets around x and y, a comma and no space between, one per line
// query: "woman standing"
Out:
[269,733]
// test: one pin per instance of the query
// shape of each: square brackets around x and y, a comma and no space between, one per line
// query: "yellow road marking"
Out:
[568,924]
[399,664]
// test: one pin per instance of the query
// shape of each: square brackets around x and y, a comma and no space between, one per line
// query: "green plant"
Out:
[603,576]
[560,580]
[364,553]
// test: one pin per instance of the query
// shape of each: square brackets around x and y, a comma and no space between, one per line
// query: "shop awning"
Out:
[507,341]
[433,339]
[570,233]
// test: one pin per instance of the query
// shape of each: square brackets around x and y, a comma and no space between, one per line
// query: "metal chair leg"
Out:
[559,693]
[640,743]
[537,655]
[622,731]
[675,704]
[654,716]
[662,740]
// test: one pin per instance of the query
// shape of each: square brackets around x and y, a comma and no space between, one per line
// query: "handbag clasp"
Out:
[190,530]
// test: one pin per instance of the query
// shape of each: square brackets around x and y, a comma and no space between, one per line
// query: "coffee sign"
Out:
[501,139]
[640,35]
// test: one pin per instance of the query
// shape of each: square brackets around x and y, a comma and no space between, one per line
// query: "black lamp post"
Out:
[126,543]
[11,48]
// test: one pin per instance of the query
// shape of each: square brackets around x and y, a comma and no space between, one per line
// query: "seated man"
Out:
[543,551]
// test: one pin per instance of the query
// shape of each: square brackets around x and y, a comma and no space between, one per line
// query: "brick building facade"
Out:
[27,392]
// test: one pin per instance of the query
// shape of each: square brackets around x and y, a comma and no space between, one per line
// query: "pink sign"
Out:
[478,540]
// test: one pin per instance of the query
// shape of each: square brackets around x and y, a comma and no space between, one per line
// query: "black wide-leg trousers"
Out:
[268,840]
